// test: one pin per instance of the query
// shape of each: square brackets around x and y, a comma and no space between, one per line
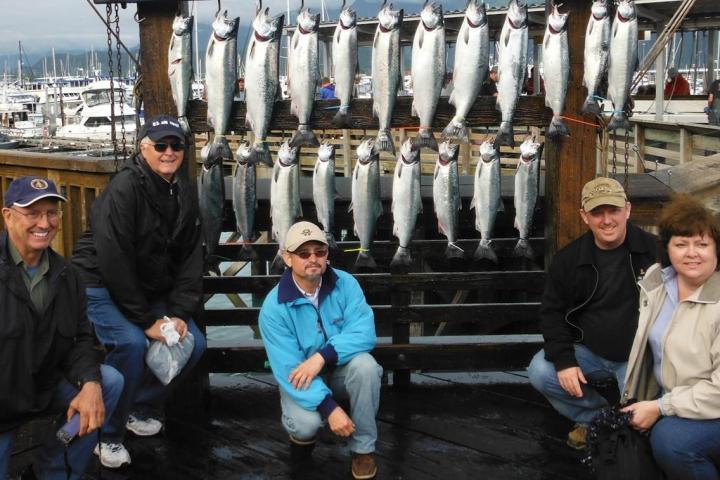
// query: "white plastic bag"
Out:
[166,360]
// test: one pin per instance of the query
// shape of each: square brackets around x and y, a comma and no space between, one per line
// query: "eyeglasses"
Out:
[161,147]
[35,216]
[305,254]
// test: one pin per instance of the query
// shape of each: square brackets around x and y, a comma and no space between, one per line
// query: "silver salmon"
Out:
[304,76]
[366,205]
[285,207]
[556,71]
[212,199]
[324,190]
[180,70]
[245,198]
[487,199]
[623,62]
[406,201]
[221,72]
[345,62]
[446,197]
[597,49]
[526,193]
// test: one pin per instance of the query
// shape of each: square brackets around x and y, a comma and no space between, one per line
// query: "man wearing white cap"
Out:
[318,331]
[589,312]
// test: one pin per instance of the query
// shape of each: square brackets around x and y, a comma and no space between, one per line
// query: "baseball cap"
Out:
[25,191]
[301,233]
[161,126]
[603,191]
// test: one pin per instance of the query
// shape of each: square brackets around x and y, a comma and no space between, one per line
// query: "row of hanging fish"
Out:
[611,58]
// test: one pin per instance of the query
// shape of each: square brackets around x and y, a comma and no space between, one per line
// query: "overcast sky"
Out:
[71,24]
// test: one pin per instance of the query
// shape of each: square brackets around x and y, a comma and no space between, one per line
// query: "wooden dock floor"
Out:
[443,427]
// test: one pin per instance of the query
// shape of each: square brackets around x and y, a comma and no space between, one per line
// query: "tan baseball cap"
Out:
[603,191]
[301,233]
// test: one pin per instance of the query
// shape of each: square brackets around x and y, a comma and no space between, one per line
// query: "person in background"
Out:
[240,94]
[47,349]
[588,314]
[318,331]
[142,260]
[327,89]
[713,106]
[489,86]
[676,84]
[673,372]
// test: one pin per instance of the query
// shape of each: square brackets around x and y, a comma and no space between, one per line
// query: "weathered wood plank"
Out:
[530,111]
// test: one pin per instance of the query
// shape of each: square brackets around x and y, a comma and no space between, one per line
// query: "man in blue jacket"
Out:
[318,329]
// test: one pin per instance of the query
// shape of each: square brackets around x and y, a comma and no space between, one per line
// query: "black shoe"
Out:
[301,451]
[27,474]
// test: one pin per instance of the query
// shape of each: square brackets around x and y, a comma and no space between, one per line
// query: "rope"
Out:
[577,120]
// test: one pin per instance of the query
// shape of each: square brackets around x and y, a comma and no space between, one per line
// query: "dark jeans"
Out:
[687,449]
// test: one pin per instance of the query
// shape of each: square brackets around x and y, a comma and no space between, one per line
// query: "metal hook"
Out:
[138,20]
[383,4]
[219,8]
[342,7]
[302,5]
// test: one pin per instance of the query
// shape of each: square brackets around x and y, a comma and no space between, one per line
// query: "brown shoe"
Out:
[577,438]
[363,466]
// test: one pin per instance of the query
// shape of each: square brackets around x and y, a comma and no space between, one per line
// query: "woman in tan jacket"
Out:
[674,366]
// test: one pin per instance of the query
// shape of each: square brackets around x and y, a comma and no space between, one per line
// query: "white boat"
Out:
[93,118]
[16,121]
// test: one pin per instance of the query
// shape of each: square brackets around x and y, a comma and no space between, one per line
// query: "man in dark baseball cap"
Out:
[162,126]
[48,371]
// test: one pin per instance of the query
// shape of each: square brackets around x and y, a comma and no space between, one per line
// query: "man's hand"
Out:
[154,332]
[89,404]
[303,375]
[570,380]
[340,423]
[644,414]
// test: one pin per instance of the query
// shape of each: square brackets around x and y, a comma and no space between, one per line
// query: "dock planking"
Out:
[437,429]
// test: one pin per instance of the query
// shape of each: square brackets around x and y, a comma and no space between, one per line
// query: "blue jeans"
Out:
[686,448]
[127,344]
[358,380]
[543,377]
[50,462]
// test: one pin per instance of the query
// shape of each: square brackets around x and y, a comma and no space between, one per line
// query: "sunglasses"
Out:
[305,254]
[175,146]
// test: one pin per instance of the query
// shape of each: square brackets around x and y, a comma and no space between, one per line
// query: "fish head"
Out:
[557,22]
[408,153]
[204,152]
[599,9]
[488,151]
[326,152]
[307,22]
[626,11]
[432,16]
[243,153]
[389,19]
[182,25]
[267,27]
[516,15]
[287,155]
[348,18]
[529,149]
[224,27]
[476,14]
[366,151]
[448,152]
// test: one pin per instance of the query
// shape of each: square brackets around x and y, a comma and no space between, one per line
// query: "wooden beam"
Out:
[572,163]
[155,31]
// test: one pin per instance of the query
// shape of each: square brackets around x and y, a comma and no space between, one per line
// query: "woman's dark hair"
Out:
[685,216]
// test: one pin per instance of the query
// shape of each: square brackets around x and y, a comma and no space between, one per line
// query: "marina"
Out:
[454,334]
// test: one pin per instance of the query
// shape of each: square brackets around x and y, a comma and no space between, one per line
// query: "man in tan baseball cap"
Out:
[589,310]
[318,331]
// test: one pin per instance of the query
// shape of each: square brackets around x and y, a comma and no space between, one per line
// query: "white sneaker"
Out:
[112,455]
[143,428]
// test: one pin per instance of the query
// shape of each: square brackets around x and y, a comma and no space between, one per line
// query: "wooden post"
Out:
[685,145]
[347,153]
[659,81]
[571,163]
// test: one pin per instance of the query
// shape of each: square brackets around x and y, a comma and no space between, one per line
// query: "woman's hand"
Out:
[644,414]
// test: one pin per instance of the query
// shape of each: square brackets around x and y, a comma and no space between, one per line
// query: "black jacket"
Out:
[571,282]
[38,350]
[129,249]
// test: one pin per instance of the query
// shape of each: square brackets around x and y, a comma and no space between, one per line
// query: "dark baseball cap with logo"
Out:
[25,191]
[161,126]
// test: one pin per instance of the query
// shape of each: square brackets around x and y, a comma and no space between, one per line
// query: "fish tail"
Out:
[619,120]
[523,249]
[557,129]
[184,125]
[278,265]
[332,244]
[247,253]
[261,154]
[342,118]
[304,136]
[505,135]
[486,251]
[402,258]
[590,107]
[453,251]
[425,139]
[456,130]
[364,262]
[212,265]
[384,141]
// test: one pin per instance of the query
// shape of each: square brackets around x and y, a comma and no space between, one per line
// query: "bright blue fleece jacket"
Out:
[293,330]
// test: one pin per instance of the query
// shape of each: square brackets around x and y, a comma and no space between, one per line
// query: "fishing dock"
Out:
[455,336]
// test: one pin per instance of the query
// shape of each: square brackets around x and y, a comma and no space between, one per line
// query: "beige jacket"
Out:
[691,351]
